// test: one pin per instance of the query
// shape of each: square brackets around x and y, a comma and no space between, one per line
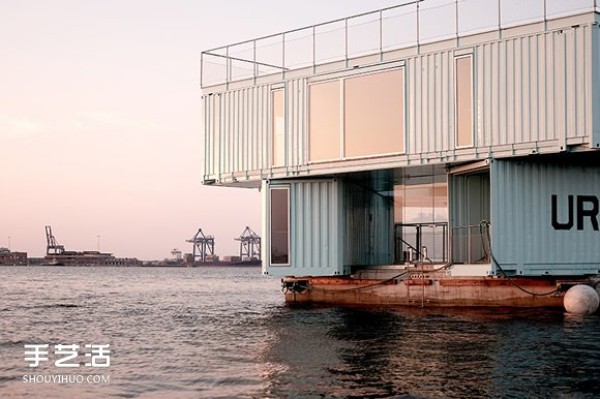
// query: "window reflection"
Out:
[421,203]
[278,127]
[374,114]
[421,218]
[464,101]
[324,121]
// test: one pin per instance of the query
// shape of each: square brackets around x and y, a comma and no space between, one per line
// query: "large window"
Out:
[357,116]
[421,215]
[374,114]
[280,225]
[324,121]
[463,80]
[278,126]
[423,201]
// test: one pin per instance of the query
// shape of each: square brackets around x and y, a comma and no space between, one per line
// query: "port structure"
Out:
[203,246]
[52,248]
[176,254]
[249,244]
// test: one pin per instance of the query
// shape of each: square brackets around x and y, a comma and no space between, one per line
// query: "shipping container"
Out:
[529,89]
[325,227]
[545,215]
[447,153]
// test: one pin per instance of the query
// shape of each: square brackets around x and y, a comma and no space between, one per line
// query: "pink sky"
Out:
[100,122]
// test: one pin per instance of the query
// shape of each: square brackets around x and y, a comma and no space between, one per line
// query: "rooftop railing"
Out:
[411,24]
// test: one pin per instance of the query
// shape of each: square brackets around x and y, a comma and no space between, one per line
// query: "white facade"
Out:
[533,91]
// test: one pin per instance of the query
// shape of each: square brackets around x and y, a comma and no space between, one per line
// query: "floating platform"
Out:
[423,288]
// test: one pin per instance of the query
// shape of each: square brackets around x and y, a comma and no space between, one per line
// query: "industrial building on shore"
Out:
[202,254]
[7,257]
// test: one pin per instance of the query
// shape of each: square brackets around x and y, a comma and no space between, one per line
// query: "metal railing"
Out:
[421,242]
[411,24]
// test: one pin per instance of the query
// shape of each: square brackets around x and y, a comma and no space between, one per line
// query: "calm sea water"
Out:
[226,333]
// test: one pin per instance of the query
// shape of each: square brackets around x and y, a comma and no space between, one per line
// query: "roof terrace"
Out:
[407,25]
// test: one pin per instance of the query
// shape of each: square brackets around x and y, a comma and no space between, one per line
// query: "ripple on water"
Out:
[225,333]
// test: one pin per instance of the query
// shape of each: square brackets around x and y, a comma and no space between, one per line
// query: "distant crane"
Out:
[204,245]
[53,248]
[249,244]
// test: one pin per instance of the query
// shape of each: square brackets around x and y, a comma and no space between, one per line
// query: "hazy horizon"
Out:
[100,120]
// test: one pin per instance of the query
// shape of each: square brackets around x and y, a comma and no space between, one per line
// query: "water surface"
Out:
[226,333]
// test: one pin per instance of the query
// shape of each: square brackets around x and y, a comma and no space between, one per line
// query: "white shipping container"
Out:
[533,89]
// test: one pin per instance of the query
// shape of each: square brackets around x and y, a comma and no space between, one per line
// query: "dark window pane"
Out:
[280,226]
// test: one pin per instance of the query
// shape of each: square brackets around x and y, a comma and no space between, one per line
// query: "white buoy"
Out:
[581,299]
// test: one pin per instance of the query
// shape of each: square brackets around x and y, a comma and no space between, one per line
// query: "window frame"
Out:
[457,94]
[275,158]
[287,189]
[340,107]
[402,70]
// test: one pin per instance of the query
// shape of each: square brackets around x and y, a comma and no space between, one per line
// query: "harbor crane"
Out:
[249,244]
[203,246]
[52,248]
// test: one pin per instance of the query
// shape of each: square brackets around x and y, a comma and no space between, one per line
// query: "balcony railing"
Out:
[411,24]
[421,242]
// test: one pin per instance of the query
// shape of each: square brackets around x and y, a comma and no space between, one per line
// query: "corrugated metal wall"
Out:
[530,91]
[238,123]
[535,88]
[237,127]
[237,131]
[315,226]
[523,237]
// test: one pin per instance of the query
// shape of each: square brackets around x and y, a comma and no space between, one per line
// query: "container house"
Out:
[439,152]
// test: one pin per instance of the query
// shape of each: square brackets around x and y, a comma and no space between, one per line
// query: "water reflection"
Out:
[213,333]
[423,353]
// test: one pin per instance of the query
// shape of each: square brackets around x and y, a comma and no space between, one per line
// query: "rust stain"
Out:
[418,281]
[342,281]
[496,282]
[445,292]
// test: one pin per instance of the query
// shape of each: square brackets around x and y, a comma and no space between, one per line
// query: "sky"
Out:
[100,120]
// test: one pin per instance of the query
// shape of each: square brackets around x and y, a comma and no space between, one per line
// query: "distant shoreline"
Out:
[144,265]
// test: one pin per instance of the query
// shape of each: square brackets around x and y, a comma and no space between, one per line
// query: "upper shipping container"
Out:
[532,88]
